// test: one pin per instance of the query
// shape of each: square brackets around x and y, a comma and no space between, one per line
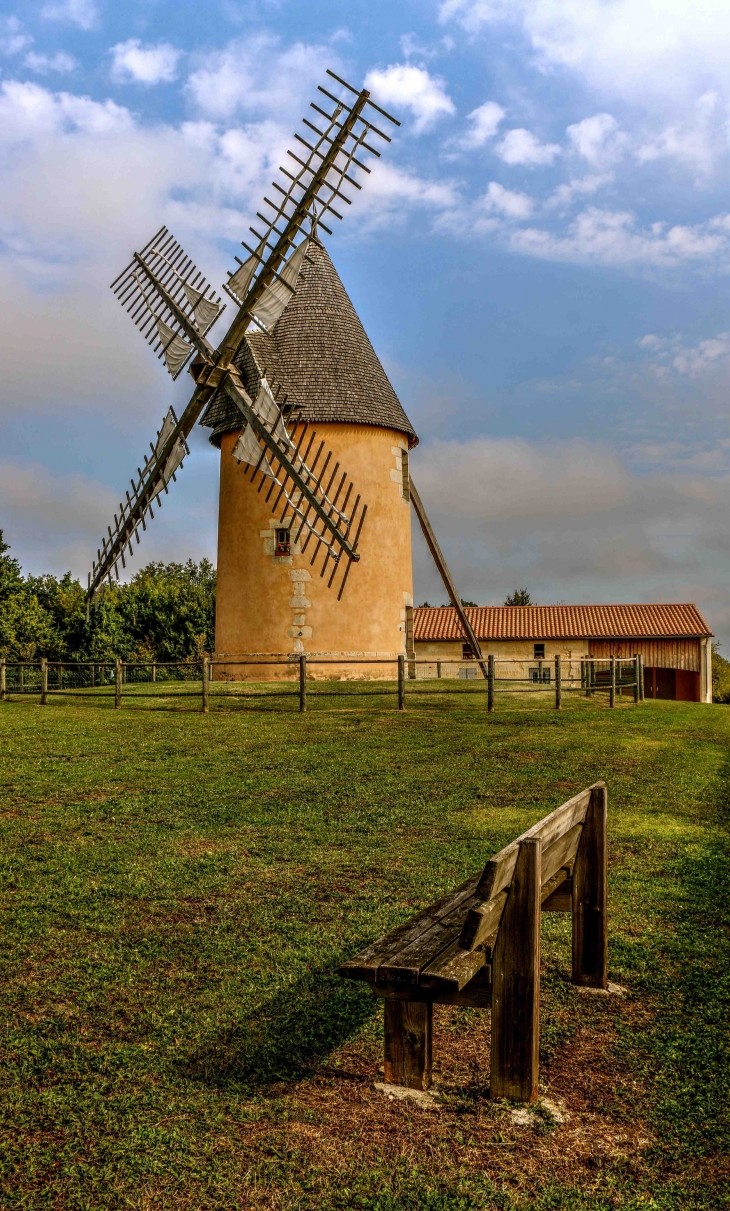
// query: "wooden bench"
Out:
[480,946]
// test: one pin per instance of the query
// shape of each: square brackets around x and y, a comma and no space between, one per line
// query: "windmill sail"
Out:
[174,307]
[276,296]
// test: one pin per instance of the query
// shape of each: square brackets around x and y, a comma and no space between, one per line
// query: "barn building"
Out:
[674,641]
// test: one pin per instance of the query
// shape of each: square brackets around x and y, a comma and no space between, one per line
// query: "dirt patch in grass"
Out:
[340,1123]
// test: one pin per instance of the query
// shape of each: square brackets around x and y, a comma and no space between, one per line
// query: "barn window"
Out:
[283,545]
[539,652]
[466,652]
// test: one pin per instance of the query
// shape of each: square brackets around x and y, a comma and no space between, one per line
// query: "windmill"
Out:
[314,442]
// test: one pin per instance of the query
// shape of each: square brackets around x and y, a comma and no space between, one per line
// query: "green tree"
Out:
[520,597]
[165,613]
[720,676]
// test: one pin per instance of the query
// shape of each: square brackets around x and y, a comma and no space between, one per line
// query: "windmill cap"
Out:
[319,354]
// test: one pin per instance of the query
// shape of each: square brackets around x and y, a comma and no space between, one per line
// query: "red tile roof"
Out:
[563,622]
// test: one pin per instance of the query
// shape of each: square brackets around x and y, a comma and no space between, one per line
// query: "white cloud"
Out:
[83,13]
[597,139]
[392,194]
[512,205]
[646,49]
[45,63]
[145,64]
[578,187]
[485,122]
[12,37]
[697,360]
[572,521]
[403,85]
[258,77]
[605,237]
[521,147]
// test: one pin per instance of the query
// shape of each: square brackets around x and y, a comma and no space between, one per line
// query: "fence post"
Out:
[117,684]
[44,680]
[516,983]
[612,690]
[401,683]
[438,668]
[154,672]
[302,683]
[490,683]
[3,682]
[205,706]
[637,675]
[641,679]
[590,933]
[558,685]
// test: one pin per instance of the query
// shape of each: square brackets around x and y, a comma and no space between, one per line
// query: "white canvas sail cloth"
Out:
[174,458]
[176,350]
[205,312]
[276,296]
[247,448]
[239,282]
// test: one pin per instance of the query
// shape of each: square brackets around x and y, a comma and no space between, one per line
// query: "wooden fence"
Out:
[412,679]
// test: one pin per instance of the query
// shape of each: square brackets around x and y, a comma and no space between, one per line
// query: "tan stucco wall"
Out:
[270,605]
[517,655]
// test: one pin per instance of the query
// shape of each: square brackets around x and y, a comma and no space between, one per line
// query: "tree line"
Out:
[165,613]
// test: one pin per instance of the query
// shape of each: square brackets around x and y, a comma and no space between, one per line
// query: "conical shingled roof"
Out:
[319,353]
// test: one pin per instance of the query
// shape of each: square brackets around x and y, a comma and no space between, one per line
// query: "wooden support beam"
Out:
[590,896]
[302,683]
[516,983]
[205,705]
[408,1043]
[445,575]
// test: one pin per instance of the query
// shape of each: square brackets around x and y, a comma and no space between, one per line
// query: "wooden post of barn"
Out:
[612,689]
[590,895]
[302,683]
[205,668]
[558,685]
[117,684]
[44,680]
[490,683]
[401,683]
[408,1043]
[637,678]
[516,983]
[3,681]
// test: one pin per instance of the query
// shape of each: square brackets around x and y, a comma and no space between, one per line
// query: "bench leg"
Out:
[408,1043]
[590,933]
[516,984]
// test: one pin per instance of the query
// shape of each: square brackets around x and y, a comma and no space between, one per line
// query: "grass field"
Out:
[178,890]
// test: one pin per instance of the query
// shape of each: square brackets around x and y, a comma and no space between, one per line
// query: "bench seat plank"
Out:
[365,965]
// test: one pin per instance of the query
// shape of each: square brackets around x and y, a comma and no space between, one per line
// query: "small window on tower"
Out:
[283,545]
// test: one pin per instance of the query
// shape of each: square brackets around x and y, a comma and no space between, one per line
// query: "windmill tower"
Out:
[314,442]
[269,597]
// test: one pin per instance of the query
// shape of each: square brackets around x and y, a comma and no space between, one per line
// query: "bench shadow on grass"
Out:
[287,1036]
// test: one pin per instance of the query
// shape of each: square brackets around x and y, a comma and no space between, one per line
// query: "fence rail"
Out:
[413,678]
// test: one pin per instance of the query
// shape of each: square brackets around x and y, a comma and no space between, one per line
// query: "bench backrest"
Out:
[560,834]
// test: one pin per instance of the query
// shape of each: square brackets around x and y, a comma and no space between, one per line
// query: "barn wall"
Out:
[656,653]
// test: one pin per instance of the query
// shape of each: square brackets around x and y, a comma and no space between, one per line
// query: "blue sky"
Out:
[541,261]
